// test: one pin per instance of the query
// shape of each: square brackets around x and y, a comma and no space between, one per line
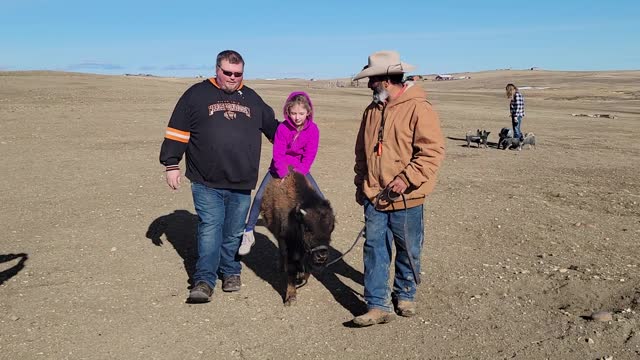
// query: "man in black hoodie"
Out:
[219,124]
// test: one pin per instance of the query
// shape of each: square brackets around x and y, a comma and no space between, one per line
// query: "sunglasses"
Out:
[229,73]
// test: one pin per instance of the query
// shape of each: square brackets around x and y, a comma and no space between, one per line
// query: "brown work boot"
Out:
[201,293]
[231,283]
[374,316]
[406,308]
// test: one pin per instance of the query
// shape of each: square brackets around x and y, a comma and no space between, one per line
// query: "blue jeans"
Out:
[383,228]
[221,214]
[517,122]
[257,200]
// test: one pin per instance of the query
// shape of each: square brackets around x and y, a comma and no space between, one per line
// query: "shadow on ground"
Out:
[13,270]
[264,261]
[179,229]
[475,145]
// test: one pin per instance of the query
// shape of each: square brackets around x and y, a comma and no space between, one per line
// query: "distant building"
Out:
[443,77]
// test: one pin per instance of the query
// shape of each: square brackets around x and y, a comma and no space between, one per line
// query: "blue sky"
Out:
[317,39]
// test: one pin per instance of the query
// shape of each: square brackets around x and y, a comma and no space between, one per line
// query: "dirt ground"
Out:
[521,247]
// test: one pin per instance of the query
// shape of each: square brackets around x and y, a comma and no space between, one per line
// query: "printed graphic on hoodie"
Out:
[229,109]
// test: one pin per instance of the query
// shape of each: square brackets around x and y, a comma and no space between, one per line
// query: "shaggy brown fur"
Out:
[300,220]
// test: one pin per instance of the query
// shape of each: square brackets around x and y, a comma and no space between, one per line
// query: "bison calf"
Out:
[302,222]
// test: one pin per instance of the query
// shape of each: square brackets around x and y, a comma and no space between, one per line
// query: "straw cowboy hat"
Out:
[384,63]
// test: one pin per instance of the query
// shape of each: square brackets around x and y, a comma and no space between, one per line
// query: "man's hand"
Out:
[174,179]
[397,186]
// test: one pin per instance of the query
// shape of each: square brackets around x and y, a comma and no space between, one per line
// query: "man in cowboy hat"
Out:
[398,150]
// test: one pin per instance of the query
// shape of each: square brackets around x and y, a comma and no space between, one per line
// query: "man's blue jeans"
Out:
[383,228]
[257,199]
[221,214]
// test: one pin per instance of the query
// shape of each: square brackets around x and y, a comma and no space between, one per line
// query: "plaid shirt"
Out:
[517,105]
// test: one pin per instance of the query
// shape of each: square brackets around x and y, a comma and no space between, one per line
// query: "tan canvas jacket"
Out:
[412,148]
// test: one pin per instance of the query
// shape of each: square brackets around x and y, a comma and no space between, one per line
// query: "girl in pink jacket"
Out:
[295,145]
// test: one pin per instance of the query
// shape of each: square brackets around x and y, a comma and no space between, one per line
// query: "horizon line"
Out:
[140,74]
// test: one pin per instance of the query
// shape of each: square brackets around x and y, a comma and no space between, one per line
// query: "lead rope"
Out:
[360,234]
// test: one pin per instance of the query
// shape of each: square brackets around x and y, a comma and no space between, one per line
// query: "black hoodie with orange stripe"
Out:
[220,133]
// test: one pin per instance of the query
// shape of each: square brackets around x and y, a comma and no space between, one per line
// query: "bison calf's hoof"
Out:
[292,300]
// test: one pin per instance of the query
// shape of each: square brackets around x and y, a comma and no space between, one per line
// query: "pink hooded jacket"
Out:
[293,148]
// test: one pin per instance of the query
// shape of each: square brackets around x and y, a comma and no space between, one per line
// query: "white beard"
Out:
[380,95]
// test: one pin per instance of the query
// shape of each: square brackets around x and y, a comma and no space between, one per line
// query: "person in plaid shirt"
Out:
[516,108]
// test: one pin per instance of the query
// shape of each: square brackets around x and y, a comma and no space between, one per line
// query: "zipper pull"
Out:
[379,148]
